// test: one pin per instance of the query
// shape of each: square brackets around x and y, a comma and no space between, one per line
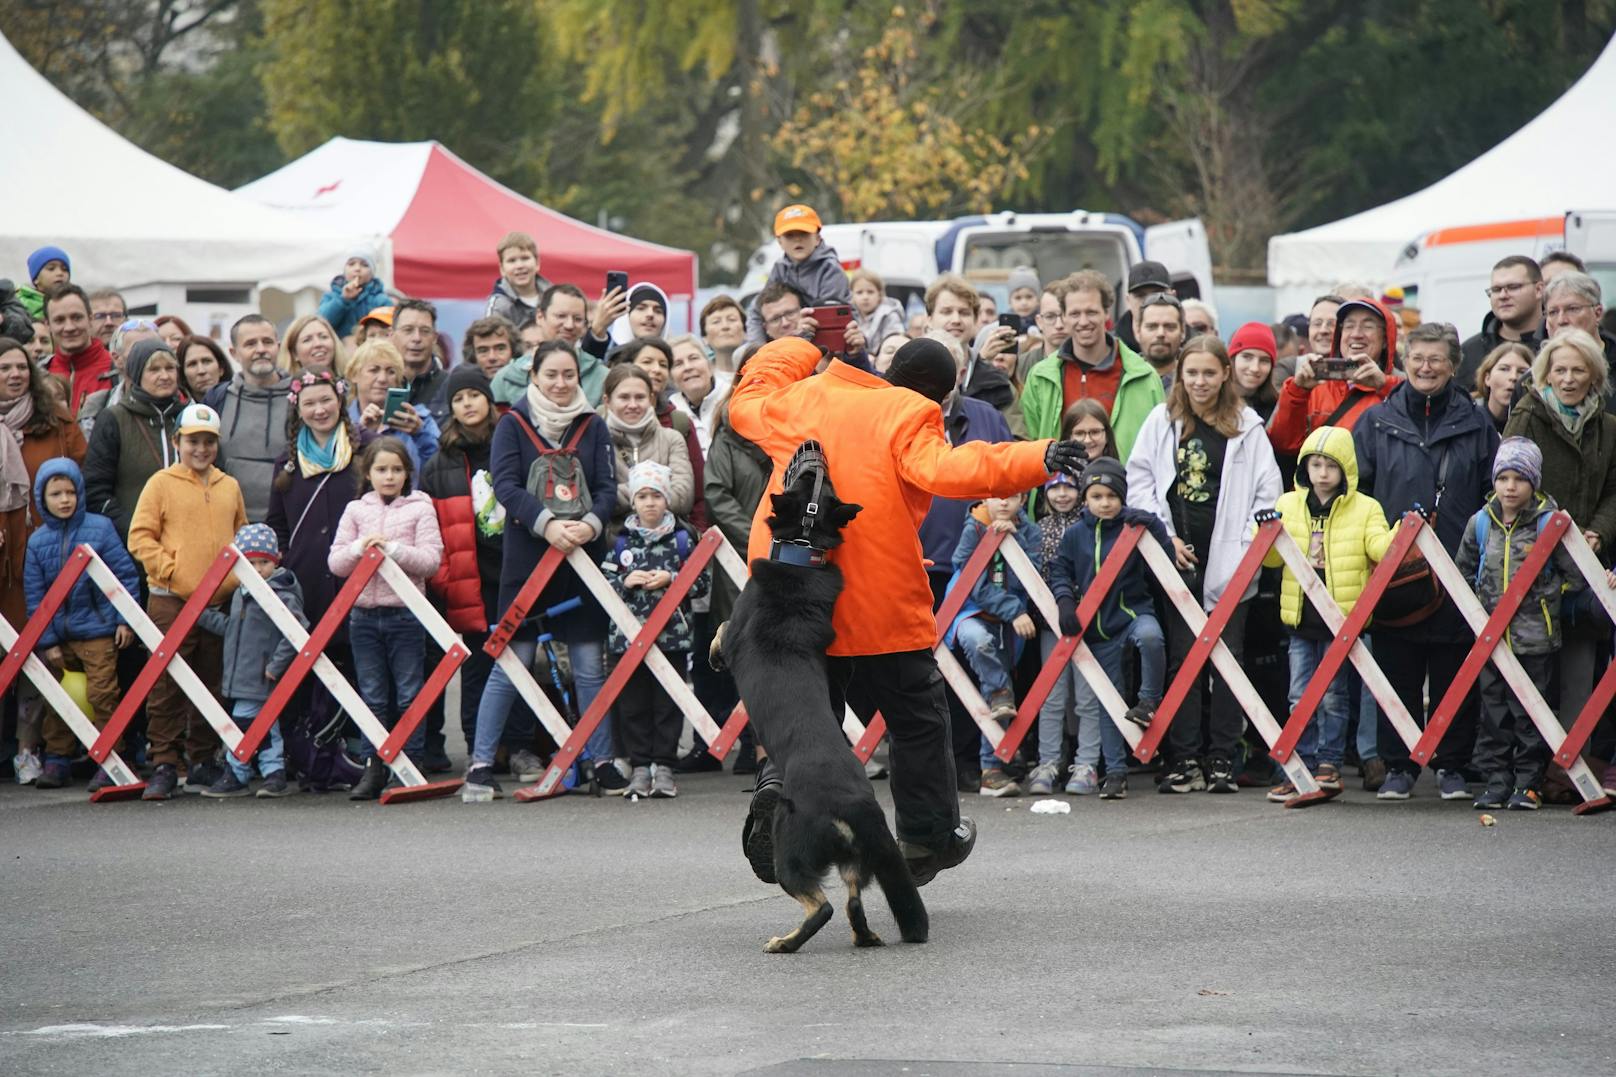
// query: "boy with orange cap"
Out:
[810,266]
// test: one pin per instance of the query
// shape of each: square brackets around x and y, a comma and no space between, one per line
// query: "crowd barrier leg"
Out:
[641,649]
[1491,643]
[1581,729]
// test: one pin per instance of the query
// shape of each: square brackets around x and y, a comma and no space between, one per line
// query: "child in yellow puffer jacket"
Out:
[1344,534]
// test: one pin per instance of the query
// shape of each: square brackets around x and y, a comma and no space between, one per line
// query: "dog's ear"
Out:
[844,513]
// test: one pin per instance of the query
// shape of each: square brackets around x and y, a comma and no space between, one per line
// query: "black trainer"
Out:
[757,832]
[1220,777]
[925,862]
[1183,777]
[162,783]
[203,776]
[371,782]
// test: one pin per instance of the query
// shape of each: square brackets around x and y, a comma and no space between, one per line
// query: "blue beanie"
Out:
[37,260]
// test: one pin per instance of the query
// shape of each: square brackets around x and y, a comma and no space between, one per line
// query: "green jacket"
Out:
[511,381]
[33,301]
[1140,390]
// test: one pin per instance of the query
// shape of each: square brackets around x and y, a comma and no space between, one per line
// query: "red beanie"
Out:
[1254,335]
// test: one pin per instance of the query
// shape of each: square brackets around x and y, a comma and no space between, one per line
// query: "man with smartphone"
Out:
[785,314]
[415,334]
[1335,389]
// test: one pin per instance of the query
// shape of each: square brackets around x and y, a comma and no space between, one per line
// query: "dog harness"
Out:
[800,551]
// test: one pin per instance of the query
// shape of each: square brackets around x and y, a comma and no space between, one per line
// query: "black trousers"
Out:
[1509,749]
[1408,659]
[907,688]
[648,722]
[1219,736]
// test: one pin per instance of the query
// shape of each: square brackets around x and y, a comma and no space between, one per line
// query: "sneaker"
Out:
[28,766]
[1220,777]
[757,833]
[611,777]
[1374,773]
[662,787]
[480,786]
[371,781]
[1041,782]
[56,774]
[875,770]
[162,783]
[203,776]
[1085,781]
[227,785]
[925,862]
[1493,798]
[1003,704]
[1140,715]
[275,785]
[1184,777]
[1399,785]
[639,783]
[1328,775]
[1525,800]
[1282,792]
[101,780]
[1115,785]
[526,766]
[699,761]
[1450,785]
[997,783]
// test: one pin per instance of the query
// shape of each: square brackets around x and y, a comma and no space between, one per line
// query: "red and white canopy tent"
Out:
[444,218]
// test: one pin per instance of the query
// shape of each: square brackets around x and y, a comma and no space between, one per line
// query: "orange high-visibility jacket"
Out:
[887,452]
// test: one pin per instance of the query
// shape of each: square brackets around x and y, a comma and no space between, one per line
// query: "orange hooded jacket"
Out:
[1302,411]
[887,452]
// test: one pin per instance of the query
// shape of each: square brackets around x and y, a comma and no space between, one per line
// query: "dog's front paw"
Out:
[869,938]
[715,651]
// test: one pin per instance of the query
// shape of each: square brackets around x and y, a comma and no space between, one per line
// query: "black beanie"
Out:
[642,292]
[467,376]
[1106,472]
[927,367]
[140,353]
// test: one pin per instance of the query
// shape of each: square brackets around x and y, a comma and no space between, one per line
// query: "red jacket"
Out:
[457,581]
[1302,411]
[83,371]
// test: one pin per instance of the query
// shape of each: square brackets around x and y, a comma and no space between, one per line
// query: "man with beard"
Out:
[252,411]
[1161,333]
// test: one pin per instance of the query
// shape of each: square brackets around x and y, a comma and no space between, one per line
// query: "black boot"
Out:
[370,783]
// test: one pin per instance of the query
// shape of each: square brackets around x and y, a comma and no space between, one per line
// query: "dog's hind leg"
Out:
[862,935]
[817,912]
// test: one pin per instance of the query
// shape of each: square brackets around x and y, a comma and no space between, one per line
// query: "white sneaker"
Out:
[1085,781]
[28,766]
[662,786]
[526,766]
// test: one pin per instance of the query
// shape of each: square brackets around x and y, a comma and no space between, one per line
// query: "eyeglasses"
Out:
[1504,289]
[1200,328]
[1049,316]
[1425,362]
[785,317]
[1574,311]
[110,316]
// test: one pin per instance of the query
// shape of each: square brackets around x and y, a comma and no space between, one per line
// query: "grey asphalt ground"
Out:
[1160,934]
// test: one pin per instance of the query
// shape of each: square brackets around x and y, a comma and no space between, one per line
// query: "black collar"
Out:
[796,553]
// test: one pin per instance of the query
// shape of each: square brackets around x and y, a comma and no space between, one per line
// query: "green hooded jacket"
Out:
[1139,391]
[511,381]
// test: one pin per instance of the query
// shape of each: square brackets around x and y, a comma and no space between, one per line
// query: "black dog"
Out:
[775,645]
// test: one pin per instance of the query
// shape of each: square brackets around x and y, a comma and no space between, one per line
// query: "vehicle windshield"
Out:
[989,256]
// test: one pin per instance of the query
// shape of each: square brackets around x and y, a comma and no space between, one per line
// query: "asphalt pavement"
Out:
[1158,934]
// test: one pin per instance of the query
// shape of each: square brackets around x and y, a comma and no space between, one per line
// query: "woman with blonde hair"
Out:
[1497,377]
[311,344]
[376,367]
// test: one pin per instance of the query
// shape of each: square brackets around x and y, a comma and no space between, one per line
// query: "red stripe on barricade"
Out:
[953,602]
[29,637]
[1060,657]
[159,662]
[1340,649]
[1201,650]
[638,648]
[304,661]
[1592,711]
[501,635]
[719,748]
[434,686]
[1491,635]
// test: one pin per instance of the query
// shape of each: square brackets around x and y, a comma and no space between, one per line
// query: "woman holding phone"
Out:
[381,402]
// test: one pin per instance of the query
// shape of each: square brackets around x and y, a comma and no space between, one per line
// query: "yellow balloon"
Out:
[78,688]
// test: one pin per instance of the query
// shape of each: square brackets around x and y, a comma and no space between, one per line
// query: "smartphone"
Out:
[1011,322]
[832,322]
[1336,368]
[616,279]
[396,398]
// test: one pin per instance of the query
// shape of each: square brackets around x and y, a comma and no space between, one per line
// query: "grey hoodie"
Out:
[252,643]
[252,433]
[819,277]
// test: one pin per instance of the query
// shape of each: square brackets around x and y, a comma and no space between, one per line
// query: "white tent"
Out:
[127,218]
[1512,181]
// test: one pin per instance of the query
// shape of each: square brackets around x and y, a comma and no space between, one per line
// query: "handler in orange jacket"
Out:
[886,450]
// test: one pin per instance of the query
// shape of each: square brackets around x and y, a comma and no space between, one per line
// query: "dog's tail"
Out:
[885,860]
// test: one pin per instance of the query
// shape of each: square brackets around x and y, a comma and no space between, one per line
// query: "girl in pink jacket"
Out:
[389,644]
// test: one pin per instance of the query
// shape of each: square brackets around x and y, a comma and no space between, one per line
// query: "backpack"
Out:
[1484,524]
[557,476]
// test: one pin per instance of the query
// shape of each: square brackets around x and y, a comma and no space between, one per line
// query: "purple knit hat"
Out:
[1520,455]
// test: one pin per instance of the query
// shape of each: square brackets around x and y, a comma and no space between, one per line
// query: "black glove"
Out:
[1068,616]
[1263,516]
[1421,511]
[1065,456]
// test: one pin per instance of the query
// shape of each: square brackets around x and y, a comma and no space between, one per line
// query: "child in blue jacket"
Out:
[85,633]
[1125,617]
[994,621]
[354,293]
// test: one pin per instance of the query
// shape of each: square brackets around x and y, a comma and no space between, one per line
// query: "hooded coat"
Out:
[255,652]
[1043,398]
[181,522]
[1082,550]
[87,614]
[252,434]
[1535,628]
[344,314]
[1300,411]
[132,441]
[1004,601]
[503,302]
[1356,535]
[410,525]
[468,580]
[819,277]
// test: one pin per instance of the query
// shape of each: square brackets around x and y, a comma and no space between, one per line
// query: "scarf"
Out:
[313,459]
[649,535]
[551,419]
[1573,419]
[14,485]
[17,414]
[631,432]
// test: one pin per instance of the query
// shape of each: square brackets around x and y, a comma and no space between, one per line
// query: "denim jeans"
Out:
[989,647]
[389,651]
[1368,712]
[271,754]
[1097,734]
[1325,738]
[588,674]
[1052,715]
